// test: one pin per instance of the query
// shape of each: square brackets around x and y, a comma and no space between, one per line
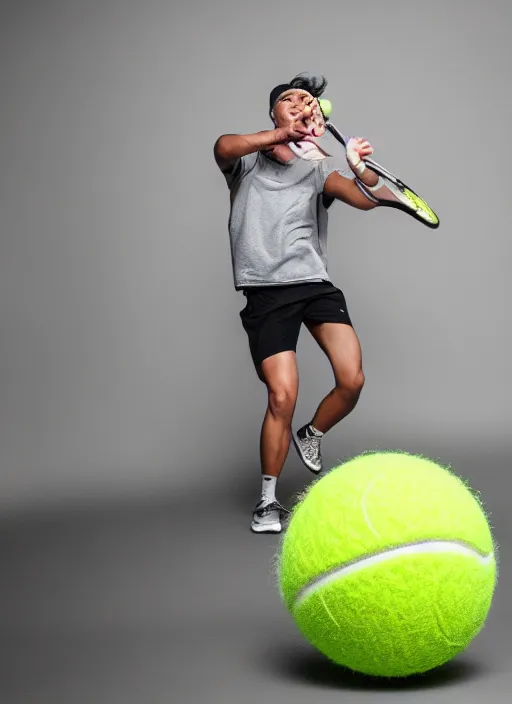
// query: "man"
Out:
[281,186]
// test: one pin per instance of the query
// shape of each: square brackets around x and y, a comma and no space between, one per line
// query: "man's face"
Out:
[291,104]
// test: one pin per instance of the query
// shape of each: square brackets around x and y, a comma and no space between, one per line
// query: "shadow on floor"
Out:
[300,664]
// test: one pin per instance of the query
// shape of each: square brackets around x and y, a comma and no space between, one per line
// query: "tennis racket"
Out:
[397,194]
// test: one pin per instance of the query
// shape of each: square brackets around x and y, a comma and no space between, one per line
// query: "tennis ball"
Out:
[325,107]
[388,564]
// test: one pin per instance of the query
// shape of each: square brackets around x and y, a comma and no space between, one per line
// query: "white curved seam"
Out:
[365,512]
[414,549]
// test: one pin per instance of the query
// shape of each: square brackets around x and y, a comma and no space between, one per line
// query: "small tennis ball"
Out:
[388,565]
[325,107]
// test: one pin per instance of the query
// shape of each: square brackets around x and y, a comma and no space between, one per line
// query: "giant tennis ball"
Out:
[388,564]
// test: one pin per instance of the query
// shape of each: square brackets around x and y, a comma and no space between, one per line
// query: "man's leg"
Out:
[341,346]
[280,375]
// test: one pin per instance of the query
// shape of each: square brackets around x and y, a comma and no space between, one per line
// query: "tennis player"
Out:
[282,184]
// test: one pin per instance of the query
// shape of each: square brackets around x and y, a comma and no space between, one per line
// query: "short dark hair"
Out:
[315,85]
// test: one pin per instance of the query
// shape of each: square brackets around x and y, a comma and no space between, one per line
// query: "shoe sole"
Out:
[304,461]
[271,528]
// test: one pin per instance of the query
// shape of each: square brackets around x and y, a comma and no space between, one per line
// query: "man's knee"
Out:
[357,382]
[352,384]
[281,400]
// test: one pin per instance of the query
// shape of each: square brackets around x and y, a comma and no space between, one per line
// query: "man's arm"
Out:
[230,147]
[345,189]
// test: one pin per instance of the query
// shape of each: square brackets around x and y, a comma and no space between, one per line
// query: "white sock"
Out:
[268,488]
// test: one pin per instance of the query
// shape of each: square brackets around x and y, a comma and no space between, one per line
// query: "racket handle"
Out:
[336,133]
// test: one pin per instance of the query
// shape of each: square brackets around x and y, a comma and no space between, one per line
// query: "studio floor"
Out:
[175,602]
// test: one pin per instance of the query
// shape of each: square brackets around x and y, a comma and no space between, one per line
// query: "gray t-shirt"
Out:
[278,222]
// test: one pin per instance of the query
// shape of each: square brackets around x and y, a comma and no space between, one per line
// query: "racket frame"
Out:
[381,171]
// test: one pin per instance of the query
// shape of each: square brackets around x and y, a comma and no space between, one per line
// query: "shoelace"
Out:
[274,506]
[311,447]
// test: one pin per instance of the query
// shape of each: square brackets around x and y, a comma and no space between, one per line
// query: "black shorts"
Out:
[273,315]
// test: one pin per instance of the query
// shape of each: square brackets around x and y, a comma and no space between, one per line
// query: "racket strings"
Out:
[414,202]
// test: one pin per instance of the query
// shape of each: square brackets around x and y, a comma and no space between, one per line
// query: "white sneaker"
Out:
[266,517]
[308,447]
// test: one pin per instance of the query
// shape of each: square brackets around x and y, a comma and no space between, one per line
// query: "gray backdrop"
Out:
[124,367]
[127,388]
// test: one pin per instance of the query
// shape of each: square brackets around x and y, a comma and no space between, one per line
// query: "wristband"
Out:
[359,169]
[378,185]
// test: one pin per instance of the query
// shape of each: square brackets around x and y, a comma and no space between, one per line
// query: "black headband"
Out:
[276,92]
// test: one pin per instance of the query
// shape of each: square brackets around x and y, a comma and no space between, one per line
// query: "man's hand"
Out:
[357,149]
[307,123]
[295,131]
